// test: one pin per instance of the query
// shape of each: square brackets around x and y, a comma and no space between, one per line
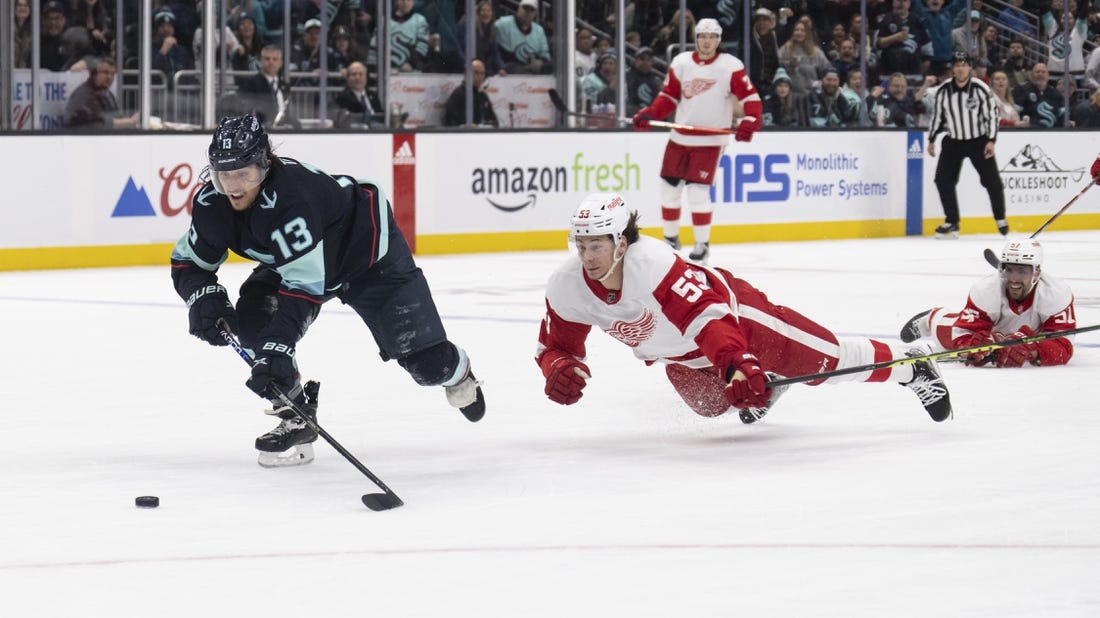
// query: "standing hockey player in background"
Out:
[715,333]
[700,87]
[317,237]
[1019,302]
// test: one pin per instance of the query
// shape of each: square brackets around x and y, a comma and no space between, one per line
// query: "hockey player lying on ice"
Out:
[716,334]
[1019,302]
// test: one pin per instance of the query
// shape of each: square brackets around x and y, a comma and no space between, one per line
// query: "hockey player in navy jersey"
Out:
[316,237]
[701,87]
[1019,302]
[717,336]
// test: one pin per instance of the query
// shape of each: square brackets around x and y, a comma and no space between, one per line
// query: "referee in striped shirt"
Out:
[965,111]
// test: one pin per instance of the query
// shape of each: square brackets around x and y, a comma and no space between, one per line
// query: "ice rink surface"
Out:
[847,501]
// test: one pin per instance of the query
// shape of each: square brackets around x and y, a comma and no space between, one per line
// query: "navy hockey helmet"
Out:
[238,154]
[239,141]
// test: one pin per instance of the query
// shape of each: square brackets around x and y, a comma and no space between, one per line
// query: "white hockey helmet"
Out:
[708,26]
[600,214]
[1028,252]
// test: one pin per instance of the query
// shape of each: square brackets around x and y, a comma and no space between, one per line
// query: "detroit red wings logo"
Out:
[698,86]
[634,333]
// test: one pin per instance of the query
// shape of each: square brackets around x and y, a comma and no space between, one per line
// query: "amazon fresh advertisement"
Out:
[534,183]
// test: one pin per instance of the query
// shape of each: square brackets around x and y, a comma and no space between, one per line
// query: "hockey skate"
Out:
[947,230]
[751,415]
[928,384]
[290,442]
[673,241]
[916,327]
[1002,227]
[467,397]
[700,253]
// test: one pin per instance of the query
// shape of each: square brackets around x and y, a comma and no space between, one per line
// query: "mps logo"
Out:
[178,186]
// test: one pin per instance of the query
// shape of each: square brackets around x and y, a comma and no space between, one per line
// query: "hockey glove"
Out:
[274,367]
[565,377]
[206,306]
[975,359]
[641,121]
[1095,169]
[748,386]
[745,130]
[1017,355]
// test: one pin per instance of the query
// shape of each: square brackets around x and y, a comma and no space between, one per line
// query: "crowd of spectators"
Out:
[807,58]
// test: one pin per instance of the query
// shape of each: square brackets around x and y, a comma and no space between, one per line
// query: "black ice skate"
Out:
[1002,227]
[947,230]
[913,328]
[673,241]
[751,415]
[467,397]
[700,253]
[290,443]
[928,384]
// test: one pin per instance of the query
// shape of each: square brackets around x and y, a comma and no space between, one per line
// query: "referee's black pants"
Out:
[952,153]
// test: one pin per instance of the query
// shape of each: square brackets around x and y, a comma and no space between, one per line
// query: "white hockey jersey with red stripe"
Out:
[671,311]
[1048,308]
[667,311]
[704,92]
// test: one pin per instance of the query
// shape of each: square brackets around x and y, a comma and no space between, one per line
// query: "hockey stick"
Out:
[932,356]
[559,104]
[689,127]
[992,258]
[376,502]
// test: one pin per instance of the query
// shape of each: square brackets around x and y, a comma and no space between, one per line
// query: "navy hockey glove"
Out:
[565,377]
[206,306]
[274,367]
[748,385]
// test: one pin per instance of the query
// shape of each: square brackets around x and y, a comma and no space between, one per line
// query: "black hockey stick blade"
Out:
[991,257]
[559,103]
[382,502]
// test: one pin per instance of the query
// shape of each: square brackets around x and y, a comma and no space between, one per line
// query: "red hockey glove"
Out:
[642,118]
[1095,169]
[1017,355]
[968,341]
[745,130]
[565,378]
[748,386]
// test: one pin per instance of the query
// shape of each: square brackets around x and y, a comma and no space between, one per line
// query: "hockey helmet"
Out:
[600,214]
[238,152]
[1024,253]
[708,26]
[1028,252]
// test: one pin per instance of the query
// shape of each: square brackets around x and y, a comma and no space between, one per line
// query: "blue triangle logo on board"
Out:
[133,202]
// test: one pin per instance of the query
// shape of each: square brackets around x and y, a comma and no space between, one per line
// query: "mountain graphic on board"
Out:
[133,202]
[1032,159]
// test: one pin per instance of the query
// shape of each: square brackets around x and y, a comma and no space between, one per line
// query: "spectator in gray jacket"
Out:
[92,106]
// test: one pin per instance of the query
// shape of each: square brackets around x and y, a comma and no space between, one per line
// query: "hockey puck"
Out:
[147,502]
